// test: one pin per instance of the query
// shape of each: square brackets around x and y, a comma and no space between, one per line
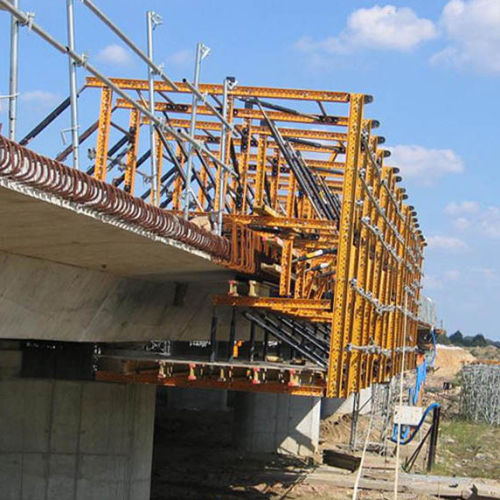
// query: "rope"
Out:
[365,446]
[398,445]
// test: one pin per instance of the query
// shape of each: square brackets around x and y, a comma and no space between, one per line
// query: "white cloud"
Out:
[432,282]
[425,166]
[183,57]
[379,27]
[40,98]
[489,222]
[462,223]
[438,282]
[464,207]
[473,32]
[114,54]
[487,272]
[446,242]
[483,220]
[452,274]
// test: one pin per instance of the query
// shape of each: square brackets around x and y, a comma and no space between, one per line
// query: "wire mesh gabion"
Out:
[480,394]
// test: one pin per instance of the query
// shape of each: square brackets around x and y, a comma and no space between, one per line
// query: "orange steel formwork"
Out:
[318,224]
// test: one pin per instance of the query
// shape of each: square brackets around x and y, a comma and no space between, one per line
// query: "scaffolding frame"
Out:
[317,222]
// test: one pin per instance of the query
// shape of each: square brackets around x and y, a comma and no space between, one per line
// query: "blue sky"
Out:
[432,66]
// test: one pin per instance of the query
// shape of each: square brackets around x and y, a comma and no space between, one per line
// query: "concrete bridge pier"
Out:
[63,439]
[277,423]
[344,406]
[262,422]
[180,398]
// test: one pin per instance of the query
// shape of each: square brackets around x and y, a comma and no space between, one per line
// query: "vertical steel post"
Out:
[252,341]
[387,415]
[232,335]
[265,345]
[73,93]
[434,437]
[354,420]
[229,83]
[153,20]
[201,52]
[222,174]
[14,68]
[343,291]
[101,159]
[213,338]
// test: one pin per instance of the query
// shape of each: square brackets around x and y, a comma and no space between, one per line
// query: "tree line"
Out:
[459,339]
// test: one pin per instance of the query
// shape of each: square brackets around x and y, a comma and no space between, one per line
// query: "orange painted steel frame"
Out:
[211,383]
[374,251]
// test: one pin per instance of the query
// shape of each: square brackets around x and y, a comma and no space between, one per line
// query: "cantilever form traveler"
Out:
[285,191]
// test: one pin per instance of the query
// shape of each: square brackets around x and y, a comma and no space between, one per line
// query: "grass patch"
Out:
[468,449]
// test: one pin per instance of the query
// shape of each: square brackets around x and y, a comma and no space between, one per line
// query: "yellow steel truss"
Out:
[353,272]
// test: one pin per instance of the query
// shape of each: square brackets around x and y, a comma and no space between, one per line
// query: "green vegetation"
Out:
[459,339]
[443,339]
[488,352]
[468,449]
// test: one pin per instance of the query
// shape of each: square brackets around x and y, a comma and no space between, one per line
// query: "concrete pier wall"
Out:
[344,406]
[195,399]
[277,423]
[65,440]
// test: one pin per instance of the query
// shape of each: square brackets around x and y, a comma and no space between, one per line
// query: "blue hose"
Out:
[407,439]
[419,382]
[414,394]
[422,372]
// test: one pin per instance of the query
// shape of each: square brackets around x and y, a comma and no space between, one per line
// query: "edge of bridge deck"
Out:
[69,230]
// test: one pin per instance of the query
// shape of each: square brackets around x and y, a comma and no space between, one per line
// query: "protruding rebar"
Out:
[21,165]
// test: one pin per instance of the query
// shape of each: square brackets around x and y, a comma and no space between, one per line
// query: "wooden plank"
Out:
[341,460]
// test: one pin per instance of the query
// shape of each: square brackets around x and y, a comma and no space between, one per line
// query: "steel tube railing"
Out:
[14,69]
[82,60]
[91,6]
[73,94]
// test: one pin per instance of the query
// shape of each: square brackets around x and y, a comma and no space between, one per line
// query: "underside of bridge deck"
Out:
[47,228]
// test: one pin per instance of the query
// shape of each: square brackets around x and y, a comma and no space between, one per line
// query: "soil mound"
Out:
[449,361]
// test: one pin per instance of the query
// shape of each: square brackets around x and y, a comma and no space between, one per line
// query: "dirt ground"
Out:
[194,457]
[449,361]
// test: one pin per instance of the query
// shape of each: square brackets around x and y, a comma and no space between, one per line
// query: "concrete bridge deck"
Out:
[46,228]
[73,272]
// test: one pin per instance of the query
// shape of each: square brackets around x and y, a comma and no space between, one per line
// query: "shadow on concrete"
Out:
[194,458]
[276,422]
